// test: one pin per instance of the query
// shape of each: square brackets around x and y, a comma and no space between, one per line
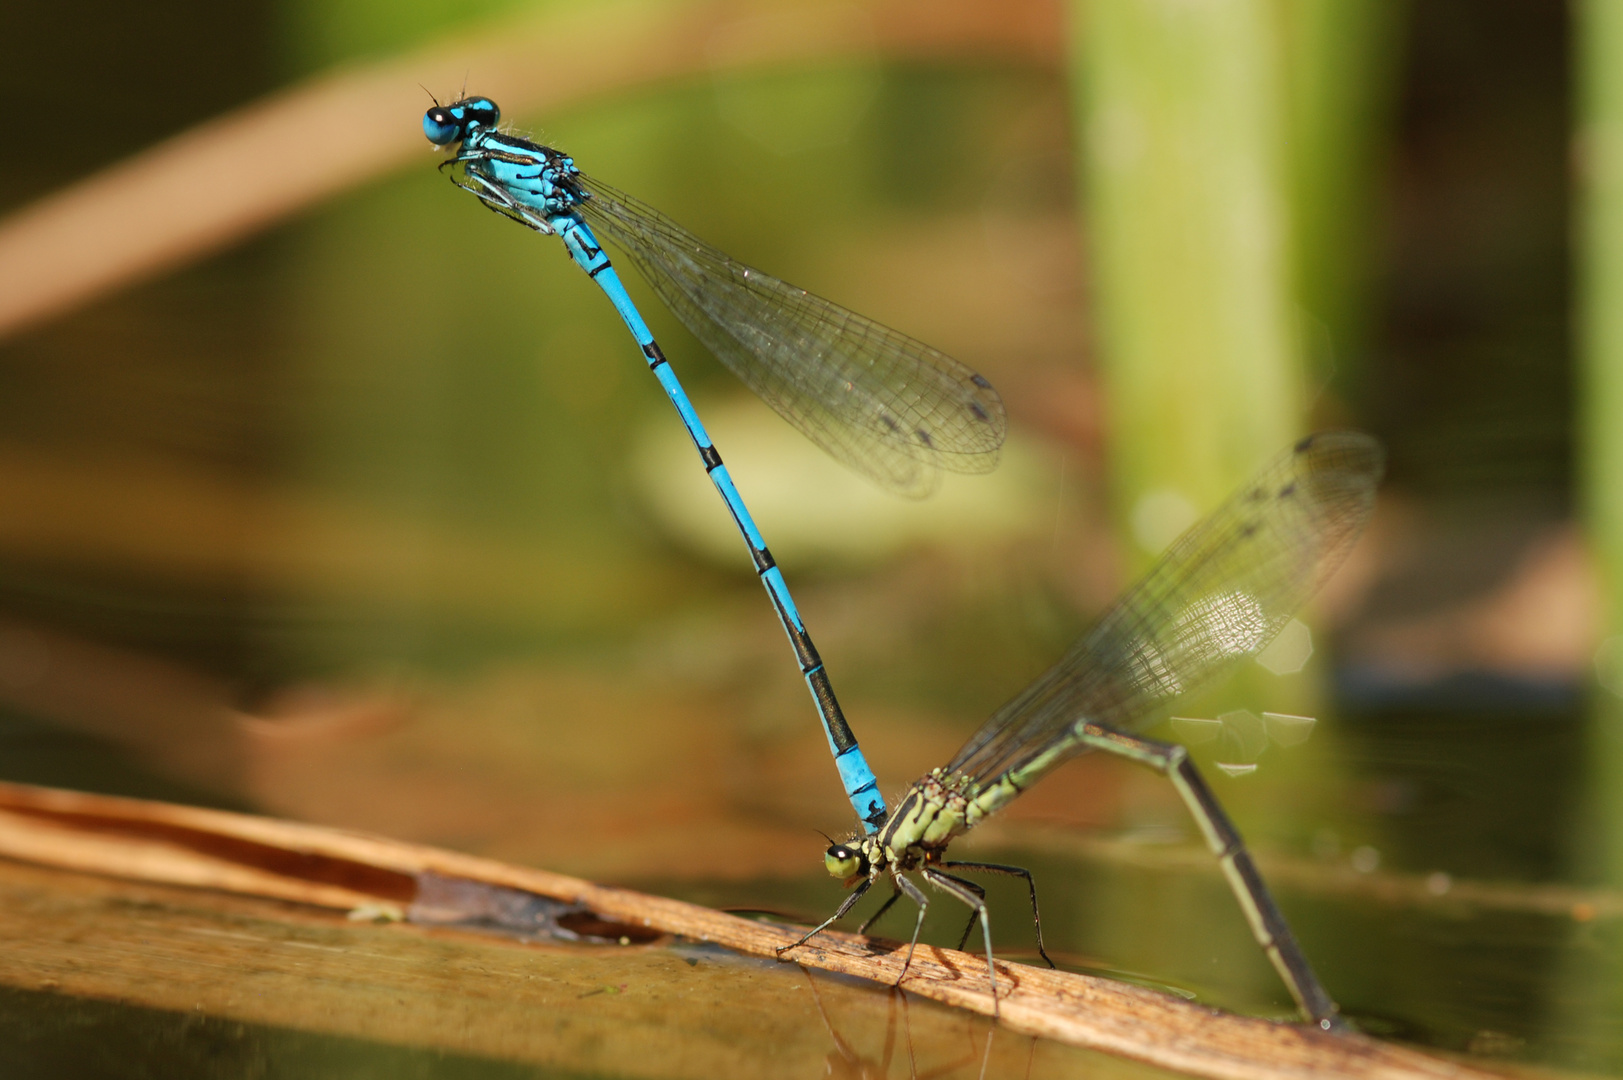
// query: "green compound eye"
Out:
[842,862]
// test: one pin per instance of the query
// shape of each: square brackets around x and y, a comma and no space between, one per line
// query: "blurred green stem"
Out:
[1182,114]
[1343,60]
[1228,151]
[1598,55]
[1600,328]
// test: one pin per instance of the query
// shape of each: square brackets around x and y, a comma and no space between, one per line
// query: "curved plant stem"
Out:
[162,842]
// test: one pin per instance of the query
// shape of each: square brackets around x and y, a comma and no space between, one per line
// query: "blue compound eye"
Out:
[441,126]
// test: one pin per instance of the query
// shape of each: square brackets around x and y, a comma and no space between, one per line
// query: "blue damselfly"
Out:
[889,407]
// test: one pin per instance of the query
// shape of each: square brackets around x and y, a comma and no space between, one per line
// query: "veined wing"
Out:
[882,403]
[1218,596]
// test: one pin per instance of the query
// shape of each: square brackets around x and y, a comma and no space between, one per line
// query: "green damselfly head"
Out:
[846,861]
[446,124]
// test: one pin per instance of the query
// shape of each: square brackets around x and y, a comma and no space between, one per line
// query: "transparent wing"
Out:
[882,403]
[1218,596]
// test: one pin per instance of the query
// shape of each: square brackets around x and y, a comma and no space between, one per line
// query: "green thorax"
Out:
[944,805]
[935,809]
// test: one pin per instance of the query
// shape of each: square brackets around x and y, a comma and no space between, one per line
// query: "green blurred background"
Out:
[374,519]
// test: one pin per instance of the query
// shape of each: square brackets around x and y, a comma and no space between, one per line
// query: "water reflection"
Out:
[845,1061]
[49,1035]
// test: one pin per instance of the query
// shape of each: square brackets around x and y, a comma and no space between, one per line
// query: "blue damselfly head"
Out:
[446,124]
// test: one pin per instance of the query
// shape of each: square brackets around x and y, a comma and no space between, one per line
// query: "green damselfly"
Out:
[1217,597]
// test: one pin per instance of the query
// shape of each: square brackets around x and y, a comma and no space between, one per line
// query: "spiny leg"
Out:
[973,895]
[974,912]
[849,903]
[1012,871]
[917,896]
[895,894]
[1268,924]
[496,199]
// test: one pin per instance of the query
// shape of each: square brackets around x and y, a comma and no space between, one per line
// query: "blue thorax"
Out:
[539,177]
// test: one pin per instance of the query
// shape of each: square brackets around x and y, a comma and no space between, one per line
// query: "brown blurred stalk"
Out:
[239,173]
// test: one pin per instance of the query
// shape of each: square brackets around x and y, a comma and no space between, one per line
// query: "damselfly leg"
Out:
[975,897]
[849,903]
[1031,886]
[915,894]
[895,895]
[1268,924]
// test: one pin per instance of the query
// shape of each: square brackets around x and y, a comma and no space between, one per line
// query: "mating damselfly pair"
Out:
[899,412]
